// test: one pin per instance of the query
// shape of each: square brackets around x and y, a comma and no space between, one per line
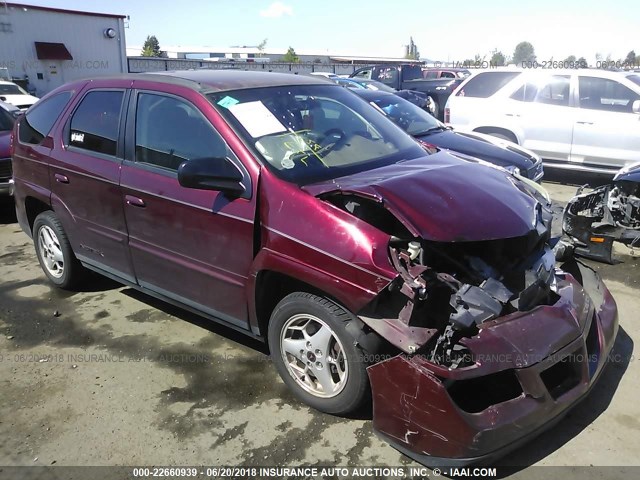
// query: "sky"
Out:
[447,31]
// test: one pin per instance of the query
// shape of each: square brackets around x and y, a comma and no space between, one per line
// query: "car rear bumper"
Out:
[416,410]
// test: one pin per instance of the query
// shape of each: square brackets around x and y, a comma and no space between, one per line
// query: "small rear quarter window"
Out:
[40,118]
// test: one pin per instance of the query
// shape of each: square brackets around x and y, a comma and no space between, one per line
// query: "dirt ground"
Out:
[110,376]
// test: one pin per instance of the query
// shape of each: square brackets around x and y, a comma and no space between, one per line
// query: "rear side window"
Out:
[486,84]
[170,131]
[94,125]
[363,74]
[39,120]
[552,90]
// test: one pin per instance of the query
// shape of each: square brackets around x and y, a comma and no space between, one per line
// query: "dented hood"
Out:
[444,198]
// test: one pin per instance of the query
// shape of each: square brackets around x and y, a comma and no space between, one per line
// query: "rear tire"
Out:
[54,252]
[316,356]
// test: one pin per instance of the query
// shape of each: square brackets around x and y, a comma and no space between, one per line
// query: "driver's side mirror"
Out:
[635,106]
[211,173]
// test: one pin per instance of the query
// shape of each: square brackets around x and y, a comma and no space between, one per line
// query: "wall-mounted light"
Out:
[109,33]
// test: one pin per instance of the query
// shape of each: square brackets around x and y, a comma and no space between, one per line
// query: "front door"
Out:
[606,132]
[194,246]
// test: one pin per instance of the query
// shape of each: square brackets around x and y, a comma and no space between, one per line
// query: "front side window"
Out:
[313,133]
[606,94]
[95,123]
[170,131]
[38,121]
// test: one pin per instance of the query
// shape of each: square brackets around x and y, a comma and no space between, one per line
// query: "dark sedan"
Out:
[427,129]
[420,99]
[8,115]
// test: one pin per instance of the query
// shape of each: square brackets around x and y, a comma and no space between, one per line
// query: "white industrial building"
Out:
[46,47]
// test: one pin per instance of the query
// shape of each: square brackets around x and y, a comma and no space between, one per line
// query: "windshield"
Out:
[315,132]
[411,118]
[634,78]
[11,89]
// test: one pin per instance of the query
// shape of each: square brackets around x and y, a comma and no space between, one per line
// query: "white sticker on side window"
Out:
[77,137]
[256,119]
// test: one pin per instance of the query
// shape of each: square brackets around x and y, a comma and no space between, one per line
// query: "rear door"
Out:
[542,108]
[193,246]
[606,132]
[84,177]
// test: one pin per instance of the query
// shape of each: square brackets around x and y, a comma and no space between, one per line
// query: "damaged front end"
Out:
[445,291]
[607,214]
[495,342]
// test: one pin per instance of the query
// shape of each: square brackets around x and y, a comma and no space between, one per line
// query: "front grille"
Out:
[5,168]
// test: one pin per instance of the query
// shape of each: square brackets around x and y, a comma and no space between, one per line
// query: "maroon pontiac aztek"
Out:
[290,209]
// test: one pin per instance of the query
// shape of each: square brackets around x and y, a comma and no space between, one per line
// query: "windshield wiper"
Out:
[437,128]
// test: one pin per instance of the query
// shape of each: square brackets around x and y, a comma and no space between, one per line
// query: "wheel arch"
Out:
[34,207]
[512,136]
[272,286]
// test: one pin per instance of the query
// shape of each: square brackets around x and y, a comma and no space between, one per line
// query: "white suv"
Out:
[574,119]
[16,95]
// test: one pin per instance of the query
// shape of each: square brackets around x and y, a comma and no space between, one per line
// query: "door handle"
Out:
[61,178]
[134,201]
[585,123]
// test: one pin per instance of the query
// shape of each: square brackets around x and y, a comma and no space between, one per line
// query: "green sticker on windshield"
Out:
[228,101]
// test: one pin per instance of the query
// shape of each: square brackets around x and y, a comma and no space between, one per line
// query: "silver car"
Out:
[574,119]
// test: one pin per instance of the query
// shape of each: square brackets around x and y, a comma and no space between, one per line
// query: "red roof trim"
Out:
[62,10]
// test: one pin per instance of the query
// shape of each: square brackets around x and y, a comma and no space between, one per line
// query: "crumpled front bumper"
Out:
[554,354]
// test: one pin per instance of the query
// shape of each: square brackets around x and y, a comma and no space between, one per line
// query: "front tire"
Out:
[315,355]
[54,251]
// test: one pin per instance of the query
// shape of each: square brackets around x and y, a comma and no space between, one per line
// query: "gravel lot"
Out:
[109,376]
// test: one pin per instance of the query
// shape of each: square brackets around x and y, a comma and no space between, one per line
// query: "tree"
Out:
[570,59]
[524,52]
[497,58]
[631,58]
[151,47]
[261,47]
[582,62]
[291,56]
[411,50]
